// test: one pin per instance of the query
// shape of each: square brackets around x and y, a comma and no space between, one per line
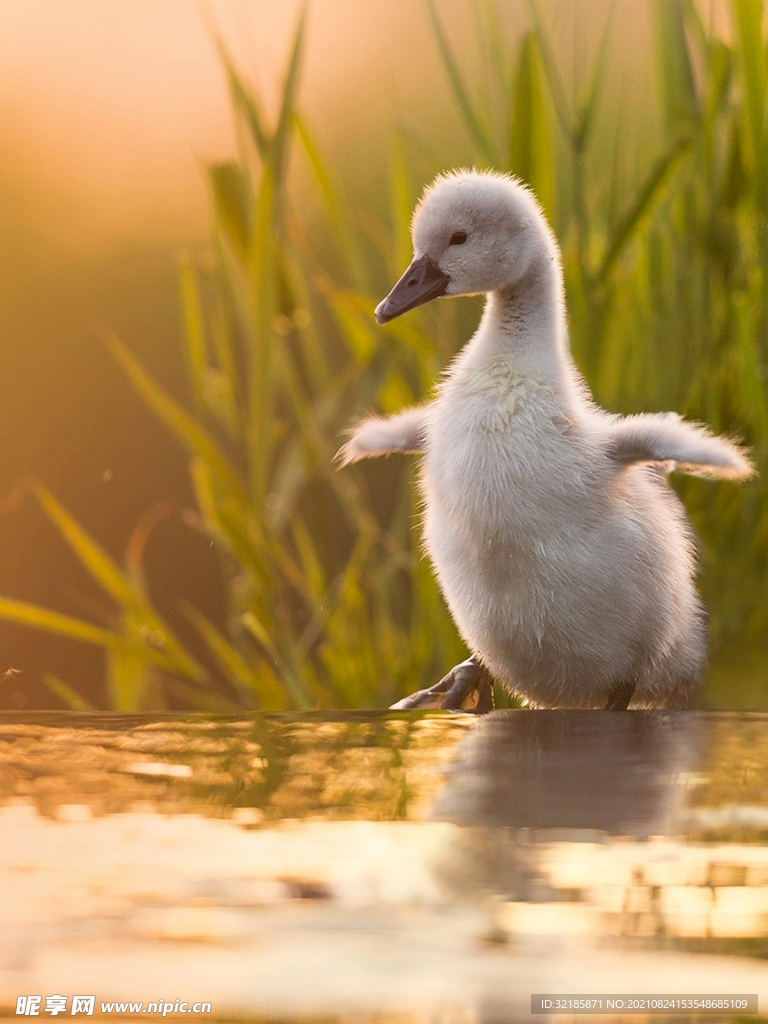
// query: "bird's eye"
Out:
[458,238]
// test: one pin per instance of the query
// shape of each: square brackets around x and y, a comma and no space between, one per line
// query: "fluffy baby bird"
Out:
[564,555]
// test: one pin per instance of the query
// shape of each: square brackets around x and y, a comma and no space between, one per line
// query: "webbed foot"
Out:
[620,697]
[467,687]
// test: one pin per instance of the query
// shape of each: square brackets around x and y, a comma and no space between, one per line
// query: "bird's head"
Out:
[472,232]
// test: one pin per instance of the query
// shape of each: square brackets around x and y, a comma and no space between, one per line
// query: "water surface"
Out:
[417,866]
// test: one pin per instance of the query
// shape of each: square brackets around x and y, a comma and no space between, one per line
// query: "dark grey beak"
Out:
[422,281]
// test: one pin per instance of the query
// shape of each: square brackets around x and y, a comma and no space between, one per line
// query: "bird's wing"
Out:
[404,433]
[688,447]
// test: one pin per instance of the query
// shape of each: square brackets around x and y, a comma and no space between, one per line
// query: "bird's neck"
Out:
[524,326]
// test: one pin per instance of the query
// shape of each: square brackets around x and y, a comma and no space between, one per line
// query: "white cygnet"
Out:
[563,553]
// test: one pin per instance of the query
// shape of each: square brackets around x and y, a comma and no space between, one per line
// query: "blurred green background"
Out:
[200,210]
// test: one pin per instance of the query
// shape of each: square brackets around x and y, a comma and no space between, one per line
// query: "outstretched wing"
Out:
[668,439]
[405,433]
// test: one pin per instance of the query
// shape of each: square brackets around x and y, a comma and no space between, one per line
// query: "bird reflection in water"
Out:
[520,779]
[571,770]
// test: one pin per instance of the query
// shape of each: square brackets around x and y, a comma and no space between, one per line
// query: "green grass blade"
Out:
[67,694]
[120,586]
[226,523]
[585,117]
[498,66]
[201,700]
[460,91]
[128,681]
[748,18]
[699,34]
[650,193]
[263,274]
[562,108]
[192,435]
[680,95]
[233,202]
[299,696]
[27,614]
[137,542]
[336,210]
[265,691]
[244,101]
[194,322]
[96,560]
[400,203]
[212,386]
[223,346]
[530,146]
[314,348]
[312,570]
[279,154]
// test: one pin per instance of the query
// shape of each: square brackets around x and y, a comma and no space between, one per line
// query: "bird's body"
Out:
[563,554]
[565,575]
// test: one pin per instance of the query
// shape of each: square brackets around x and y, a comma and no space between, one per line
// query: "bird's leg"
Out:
[467,687]
[620,697]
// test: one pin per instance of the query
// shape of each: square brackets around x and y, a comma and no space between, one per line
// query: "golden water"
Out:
[427,867]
